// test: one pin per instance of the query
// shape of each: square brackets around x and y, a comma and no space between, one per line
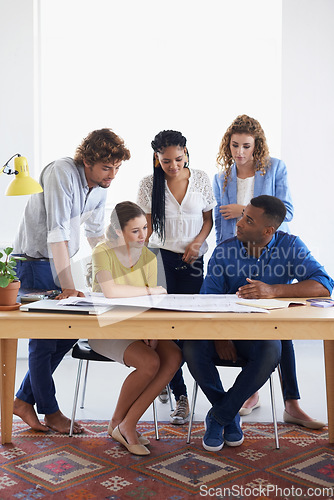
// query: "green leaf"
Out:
[8,250]
[4,281]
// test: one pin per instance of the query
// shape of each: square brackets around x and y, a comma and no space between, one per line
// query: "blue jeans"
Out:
[261,356]
[288,370]
[181,278]
[35,275]
[38,385]
[44,355]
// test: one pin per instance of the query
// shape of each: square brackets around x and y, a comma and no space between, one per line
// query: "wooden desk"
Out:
[304,322]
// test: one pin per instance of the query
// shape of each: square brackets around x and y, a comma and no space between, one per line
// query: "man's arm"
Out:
[214,281]
[94,241]
[259,290]
[62,265]
[312,279]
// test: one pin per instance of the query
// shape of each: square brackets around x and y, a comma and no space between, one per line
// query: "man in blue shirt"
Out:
[260,262]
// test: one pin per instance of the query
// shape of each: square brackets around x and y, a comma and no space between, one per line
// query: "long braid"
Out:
[160,142]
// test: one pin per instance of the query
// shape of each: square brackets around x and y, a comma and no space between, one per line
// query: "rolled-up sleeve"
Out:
[58,196]
[306,267]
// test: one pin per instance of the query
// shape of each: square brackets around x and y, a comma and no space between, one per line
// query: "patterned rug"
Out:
[94,466]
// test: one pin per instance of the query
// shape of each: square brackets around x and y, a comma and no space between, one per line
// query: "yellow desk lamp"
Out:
[23,183]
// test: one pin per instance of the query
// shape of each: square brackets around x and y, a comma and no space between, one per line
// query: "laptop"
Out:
[61,306]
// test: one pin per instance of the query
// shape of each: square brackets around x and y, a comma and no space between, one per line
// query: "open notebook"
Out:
[63,307]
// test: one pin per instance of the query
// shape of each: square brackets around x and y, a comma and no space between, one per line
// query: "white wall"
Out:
[17,122]
[307,120]
[141,67]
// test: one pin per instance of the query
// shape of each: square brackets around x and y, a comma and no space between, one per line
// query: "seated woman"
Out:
[124,267]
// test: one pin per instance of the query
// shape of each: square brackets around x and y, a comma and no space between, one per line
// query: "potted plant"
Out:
[9,284]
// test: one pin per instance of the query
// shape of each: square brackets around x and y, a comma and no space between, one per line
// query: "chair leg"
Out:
[280,378]
[75,400]
[155,418]
[84,386]
[192,410]
[273,409]
[170,397]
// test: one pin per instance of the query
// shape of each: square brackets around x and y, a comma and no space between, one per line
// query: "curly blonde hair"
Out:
[243,124]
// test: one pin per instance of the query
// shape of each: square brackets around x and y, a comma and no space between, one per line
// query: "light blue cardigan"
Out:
[274,183]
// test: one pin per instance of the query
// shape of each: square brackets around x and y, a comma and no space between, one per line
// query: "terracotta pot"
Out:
[8,295]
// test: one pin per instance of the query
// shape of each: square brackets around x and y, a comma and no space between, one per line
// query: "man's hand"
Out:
[256,290]
[226,350]
[69,293]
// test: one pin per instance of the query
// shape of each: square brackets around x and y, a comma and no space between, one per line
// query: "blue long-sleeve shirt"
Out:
[285,259]
[273,183]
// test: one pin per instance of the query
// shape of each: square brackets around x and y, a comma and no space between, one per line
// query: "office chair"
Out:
[239,364]
[82,351]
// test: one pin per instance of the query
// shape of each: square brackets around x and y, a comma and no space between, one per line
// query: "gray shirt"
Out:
[56,214]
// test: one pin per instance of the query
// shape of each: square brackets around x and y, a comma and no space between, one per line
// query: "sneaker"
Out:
[181,413]
[163,396]
[233,435]
[213,438]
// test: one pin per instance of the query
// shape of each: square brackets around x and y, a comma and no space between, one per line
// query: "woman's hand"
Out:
[151,343]
[156,290]
[191,252]
[231,211]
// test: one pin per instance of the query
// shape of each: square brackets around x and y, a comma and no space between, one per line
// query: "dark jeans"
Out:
[35,275]
[181,278]
[44,355]
[38,385]
[262,356]
[176,283]
[288,370]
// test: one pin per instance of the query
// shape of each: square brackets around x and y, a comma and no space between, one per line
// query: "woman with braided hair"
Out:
[178,202]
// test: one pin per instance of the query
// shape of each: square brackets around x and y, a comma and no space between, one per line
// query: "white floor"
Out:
[105,379]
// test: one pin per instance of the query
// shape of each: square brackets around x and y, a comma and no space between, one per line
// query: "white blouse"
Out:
[245,190]
[183,222]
